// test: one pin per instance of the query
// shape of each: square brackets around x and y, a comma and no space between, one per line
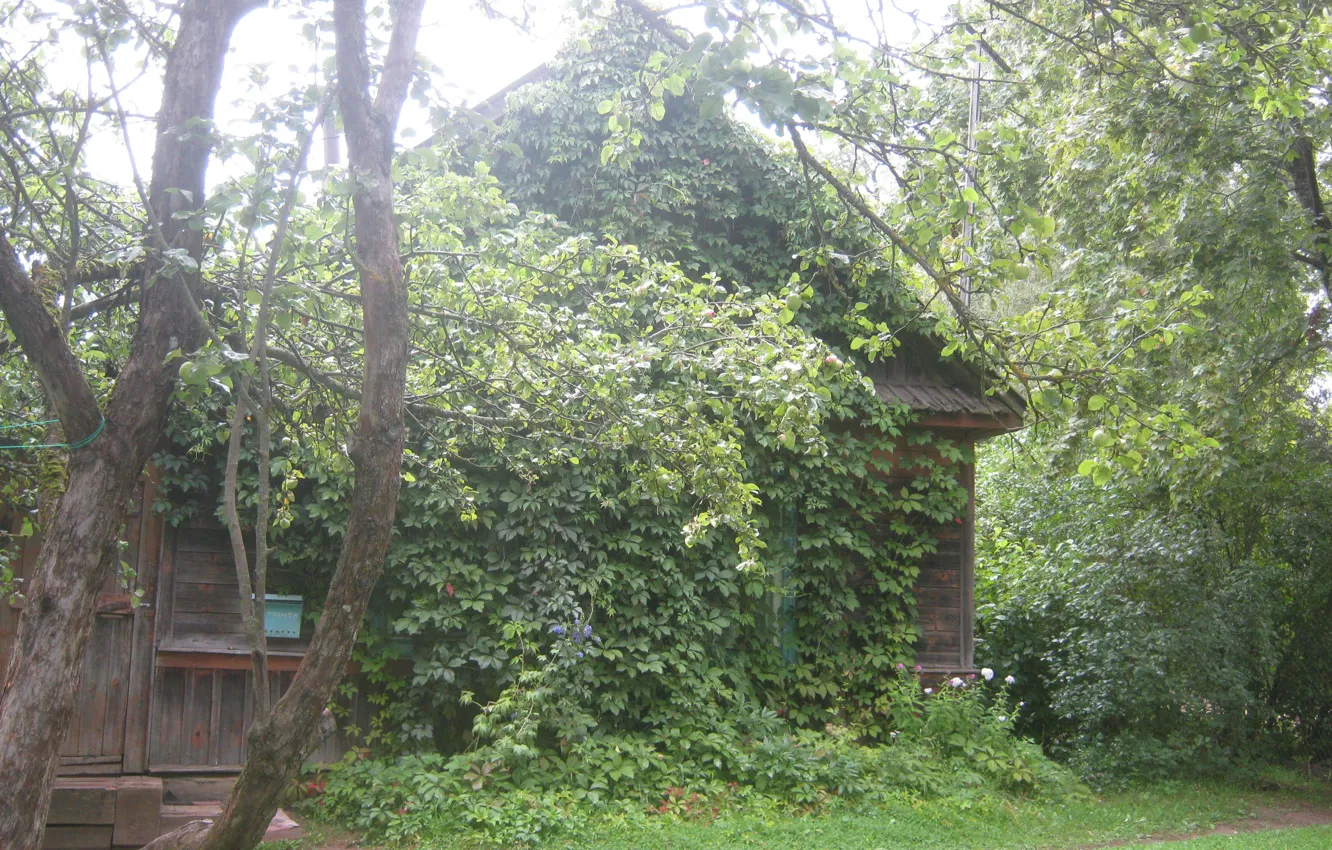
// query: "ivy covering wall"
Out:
[499,566]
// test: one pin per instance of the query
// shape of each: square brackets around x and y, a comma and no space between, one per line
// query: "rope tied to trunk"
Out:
[77,444]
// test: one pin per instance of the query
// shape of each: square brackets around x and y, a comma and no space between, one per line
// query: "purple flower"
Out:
[559,630]
[597,639]
[580,655]
[587,630]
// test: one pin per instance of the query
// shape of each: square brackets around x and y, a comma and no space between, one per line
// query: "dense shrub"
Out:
[1161,631]
[955,741]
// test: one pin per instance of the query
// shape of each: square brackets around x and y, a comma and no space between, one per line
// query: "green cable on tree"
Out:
[75,445]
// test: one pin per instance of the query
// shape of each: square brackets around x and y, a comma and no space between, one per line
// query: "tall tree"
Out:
[280,742]
[79,546]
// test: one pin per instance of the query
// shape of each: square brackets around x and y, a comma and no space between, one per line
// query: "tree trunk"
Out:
[41,680]
[282,741]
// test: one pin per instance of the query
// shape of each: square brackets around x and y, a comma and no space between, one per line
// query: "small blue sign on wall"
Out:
[282,616]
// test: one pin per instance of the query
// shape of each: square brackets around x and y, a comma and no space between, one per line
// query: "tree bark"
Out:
[1302,166]
[282,741]
[41,680]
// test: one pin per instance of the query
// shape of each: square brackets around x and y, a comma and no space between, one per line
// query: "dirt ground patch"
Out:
[1261,818]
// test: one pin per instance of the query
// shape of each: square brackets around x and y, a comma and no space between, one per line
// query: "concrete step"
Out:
[101,812]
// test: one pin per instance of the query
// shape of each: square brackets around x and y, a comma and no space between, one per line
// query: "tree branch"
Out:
[38,332]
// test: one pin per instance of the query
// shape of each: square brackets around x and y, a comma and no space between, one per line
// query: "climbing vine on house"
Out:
[508,532]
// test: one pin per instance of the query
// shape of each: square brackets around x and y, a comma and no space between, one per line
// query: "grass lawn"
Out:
[1162,811]
[1297,816]
[1301,838]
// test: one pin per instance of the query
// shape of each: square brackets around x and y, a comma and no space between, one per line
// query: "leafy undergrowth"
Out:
[951,748]
[951,774]
[982,819]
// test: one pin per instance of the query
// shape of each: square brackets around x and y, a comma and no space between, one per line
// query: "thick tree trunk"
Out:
[281,742]
[41,680]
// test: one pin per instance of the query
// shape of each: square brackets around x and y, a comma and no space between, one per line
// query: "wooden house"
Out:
[166,696]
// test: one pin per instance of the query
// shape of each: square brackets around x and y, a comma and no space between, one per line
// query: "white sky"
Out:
[476,57]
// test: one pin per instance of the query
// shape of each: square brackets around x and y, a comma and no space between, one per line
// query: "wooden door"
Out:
[95,741]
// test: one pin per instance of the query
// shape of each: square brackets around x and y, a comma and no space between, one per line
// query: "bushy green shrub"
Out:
[1164,629]
[956,738]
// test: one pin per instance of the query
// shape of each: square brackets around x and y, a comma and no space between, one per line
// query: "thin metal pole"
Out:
[969,174]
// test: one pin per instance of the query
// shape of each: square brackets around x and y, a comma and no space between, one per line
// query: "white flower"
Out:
[987,674]
[956,682]
[929,690]
[1010,680]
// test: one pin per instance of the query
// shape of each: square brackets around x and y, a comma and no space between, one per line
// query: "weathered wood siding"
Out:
[203,699]
[95,742]
[944,588]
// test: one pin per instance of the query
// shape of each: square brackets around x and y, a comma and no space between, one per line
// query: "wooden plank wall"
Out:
[95,740]
[201,715]
[200,603]
[96,733]
[945,591]
[940,605]
[944,588]
[202,701]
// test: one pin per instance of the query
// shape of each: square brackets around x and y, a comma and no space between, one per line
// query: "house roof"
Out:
[947,392]
[938,398]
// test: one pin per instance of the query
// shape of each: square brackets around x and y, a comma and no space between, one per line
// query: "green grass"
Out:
[1175,810]
[985,825]
[1304,838]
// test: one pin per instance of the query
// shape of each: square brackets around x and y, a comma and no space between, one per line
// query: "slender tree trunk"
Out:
[282,741]
[37,693]
[1302,166]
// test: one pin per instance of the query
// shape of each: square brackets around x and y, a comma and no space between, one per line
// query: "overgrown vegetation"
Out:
[1166,608]
[654,548]
[504,534]
[956,744]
